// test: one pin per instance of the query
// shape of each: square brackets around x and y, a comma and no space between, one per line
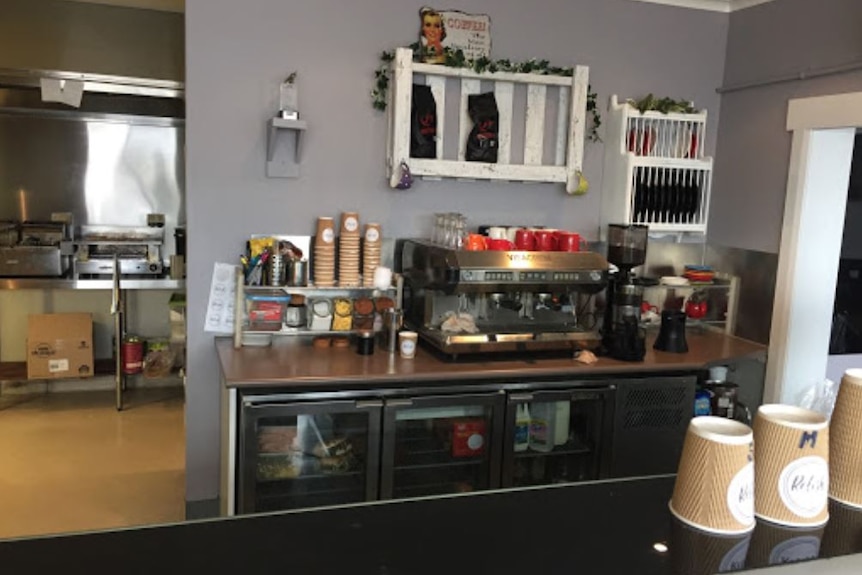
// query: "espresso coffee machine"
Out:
[622,335]
[463,301]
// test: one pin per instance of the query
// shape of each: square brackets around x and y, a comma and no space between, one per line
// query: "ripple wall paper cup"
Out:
[696,552]
[779,545]
[325,229]
[843,535]
[792,465]
[714,487]
[845,438]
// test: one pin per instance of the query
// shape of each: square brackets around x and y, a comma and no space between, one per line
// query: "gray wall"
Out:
[58,35]
[769,40]
[237,52]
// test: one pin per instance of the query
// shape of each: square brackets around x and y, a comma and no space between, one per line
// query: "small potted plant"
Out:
[641,140]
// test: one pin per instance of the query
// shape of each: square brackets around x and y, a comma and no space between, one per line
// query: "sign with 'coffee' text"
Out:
[449,30]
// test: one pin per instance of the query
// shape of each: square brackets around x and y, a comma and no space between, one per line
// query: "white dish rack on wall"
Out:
[655,170]
[553,115]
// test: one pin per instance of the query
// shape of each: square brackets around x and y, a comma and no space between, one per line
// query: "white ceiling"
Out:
[714,5]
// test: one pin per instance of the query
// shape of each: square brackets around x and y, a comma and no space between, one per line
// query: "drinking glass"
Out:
[460,232]
[439,228]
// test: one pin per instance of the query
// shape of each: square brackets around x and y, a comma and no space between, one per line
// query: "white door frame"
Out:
[823,132]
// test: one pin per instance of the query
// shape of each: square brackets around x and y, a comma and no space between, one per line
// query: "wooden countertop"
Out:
[293,362]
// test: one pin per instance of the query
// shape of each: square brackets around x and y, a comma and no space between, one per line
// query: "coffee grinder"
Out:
[622,335]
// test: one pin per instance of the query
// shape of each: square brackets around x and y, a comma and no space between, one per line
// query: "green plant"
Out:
[456,59]
[650,103]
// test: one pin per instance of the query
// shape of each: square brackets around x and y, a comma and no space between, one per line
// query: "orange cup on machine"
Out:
[475,242]
[546,241]
[525,240]
[569,242]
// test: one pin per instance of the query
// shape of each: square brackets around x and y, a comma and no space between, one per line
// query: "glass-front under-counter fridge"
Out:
[307,454]
[558,436]
[436,445]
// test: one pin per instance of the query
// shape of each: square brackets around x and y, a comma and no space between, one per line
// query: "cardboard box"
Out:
[60,345]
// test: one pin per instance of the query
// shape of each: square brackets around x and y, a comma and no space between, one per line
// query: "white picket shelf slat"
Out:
[562,127]
[567,96]
[655,171]
[504,94]
[486,171]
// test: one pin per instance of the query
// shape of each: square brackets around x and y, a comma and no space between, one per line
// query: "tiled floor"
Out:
[71,462]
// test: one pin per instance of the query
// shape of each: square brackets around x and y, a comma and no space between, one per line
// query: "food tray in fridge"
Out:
[272,467]
[276,439]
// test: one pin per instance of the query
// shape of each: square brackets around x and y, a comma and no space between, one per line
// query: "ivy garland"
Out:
[456,59]
[665,105]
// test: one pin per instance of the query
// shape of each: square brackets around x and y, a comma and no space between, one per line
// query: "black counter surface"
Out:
[602,527]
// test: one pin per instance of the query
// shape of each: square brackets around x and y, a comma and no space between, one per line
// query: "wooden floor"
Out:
[71,462]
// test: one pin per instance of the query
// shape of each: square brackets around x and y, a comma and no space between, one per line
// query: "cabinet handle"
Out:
[521,397]
[399,403]
[369,404]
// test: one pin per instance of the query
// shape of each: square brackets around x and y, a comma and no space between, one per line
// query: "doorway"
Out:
[823,130]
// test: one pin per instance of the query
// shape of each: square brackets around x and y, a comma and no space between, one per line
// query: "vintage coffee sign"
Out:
[448,30]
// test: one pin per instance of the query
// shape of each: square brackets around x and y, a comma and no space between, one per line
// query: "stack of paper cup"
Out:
[348,250]
[792,466]
[372,241]
[714,488]
[324,253]
[845,441]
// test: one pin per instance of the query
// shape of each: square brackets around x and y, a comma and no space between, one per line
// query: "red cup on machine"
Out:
[569,242]
[499,245]
[525,240]
[546,241]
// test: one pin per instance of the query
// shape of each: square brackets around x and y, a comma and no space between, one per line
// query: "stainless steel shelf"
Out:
[718,285]
[70,284]
[323,291]
[299,332]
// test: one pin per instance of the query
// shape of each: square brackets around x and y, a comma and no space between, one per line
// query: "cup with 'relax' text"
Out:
[714,487]
[791,451]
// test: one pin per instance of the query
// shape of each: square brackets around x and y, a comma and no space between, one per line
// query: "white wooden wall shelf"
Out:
[284,147]
[655,171]
[565,116]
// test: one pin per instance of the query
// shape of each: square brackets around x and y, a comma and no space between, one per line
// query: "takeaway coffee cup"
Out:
[714,489]
[792,465]
[843,534]
[845,442]
[407,344]
[696,552]
[779,545]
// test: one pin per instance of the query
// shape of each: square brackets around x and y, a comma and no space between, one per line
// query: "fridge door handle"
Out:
[399,402]
[369,404]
